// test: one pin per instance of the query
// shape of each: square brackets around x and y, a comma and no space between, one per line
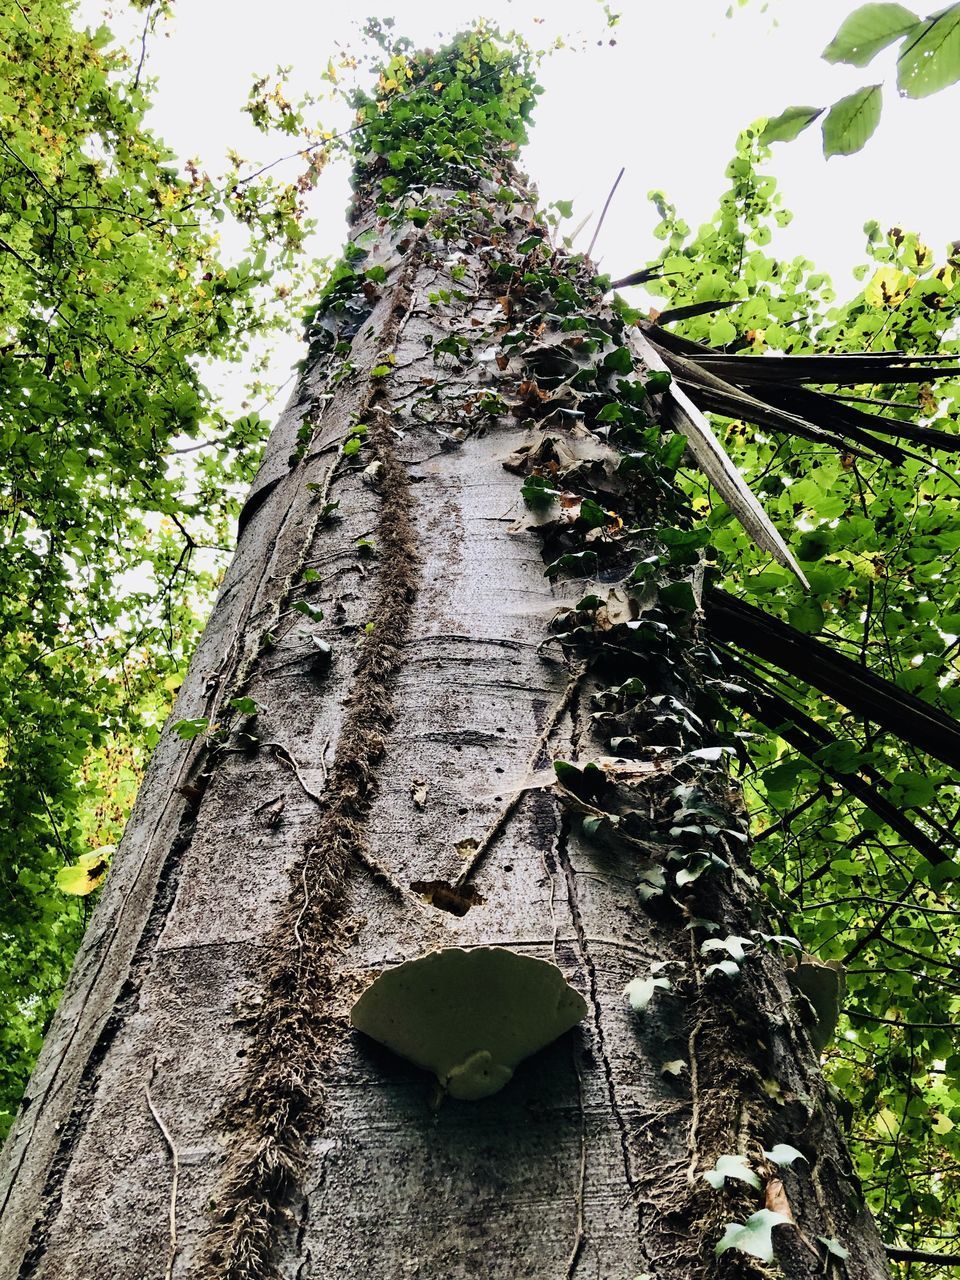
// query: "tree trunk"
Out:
[202,1106]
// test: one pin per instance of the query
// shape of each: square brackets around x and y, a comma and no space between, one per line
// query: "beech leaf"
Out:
[930,57]
[788,124]
[86,874]
[868,30]
[851,121]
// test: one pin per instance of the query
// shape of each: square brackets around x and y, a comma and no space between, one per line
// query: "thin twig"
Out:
[603,212]
[284,756]
[175,1158]
[303,911]
[143,45]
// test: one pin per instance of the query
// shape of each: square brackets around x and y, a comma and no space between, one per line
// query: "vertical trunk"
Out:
[201,1105]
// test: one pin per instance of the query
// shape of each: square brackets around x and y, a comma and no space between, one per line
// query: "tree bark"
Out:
[201,1106]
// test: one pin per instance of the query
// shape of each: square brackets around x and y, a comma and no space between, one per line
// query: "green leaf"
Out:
[755,1236]
[784,1154]
[188,729]
[788,124]
[807,616]
[592,514]
[722,331]
[851,121]
[657,381]
[672,450]
[246,706]
[301,606]
[679,595]
[619,360]
[868,30]
[731,1167]
[930,57]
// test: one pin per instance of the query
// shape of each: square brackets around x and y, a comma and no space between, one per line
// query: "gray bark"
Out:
[590,1162]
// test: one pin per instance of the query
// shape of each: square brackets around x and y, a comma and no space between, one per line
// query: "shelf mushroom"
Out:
[469,1016]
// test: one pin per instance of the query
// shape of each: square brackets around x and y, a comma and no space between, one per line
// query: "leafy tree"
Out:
[855,815]
[864,878]
[111,291]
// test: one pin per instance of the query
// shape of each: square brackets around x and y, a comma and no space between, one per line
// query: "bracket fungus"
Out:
[470,1017]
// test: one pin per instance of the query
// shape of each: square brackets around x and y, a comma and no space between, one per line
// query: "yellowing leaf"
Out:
[86,874]
[888,287]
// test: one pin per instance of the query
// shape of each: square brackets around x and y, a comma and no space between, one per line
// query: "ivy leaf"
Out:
[592,514]
[246,706]
[641,991]
[619,360]
[783,1154]
[731,1167]
[930,57]
[538,491]
[734,946]
[301,606]
[679,595]
[834,1246]
[755,1236]
[189,729]
[868,30]
[788,124]
[851,121]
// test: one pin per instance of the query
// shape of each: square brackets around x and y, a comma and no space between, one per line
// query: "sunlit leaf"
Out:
[868,30]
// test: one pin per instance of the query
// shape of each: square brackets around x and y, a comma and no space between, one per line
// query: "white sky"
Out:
[666,102]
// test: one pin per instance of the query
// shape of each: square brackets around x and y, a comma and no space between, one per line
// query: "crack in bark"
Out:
[563,857]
